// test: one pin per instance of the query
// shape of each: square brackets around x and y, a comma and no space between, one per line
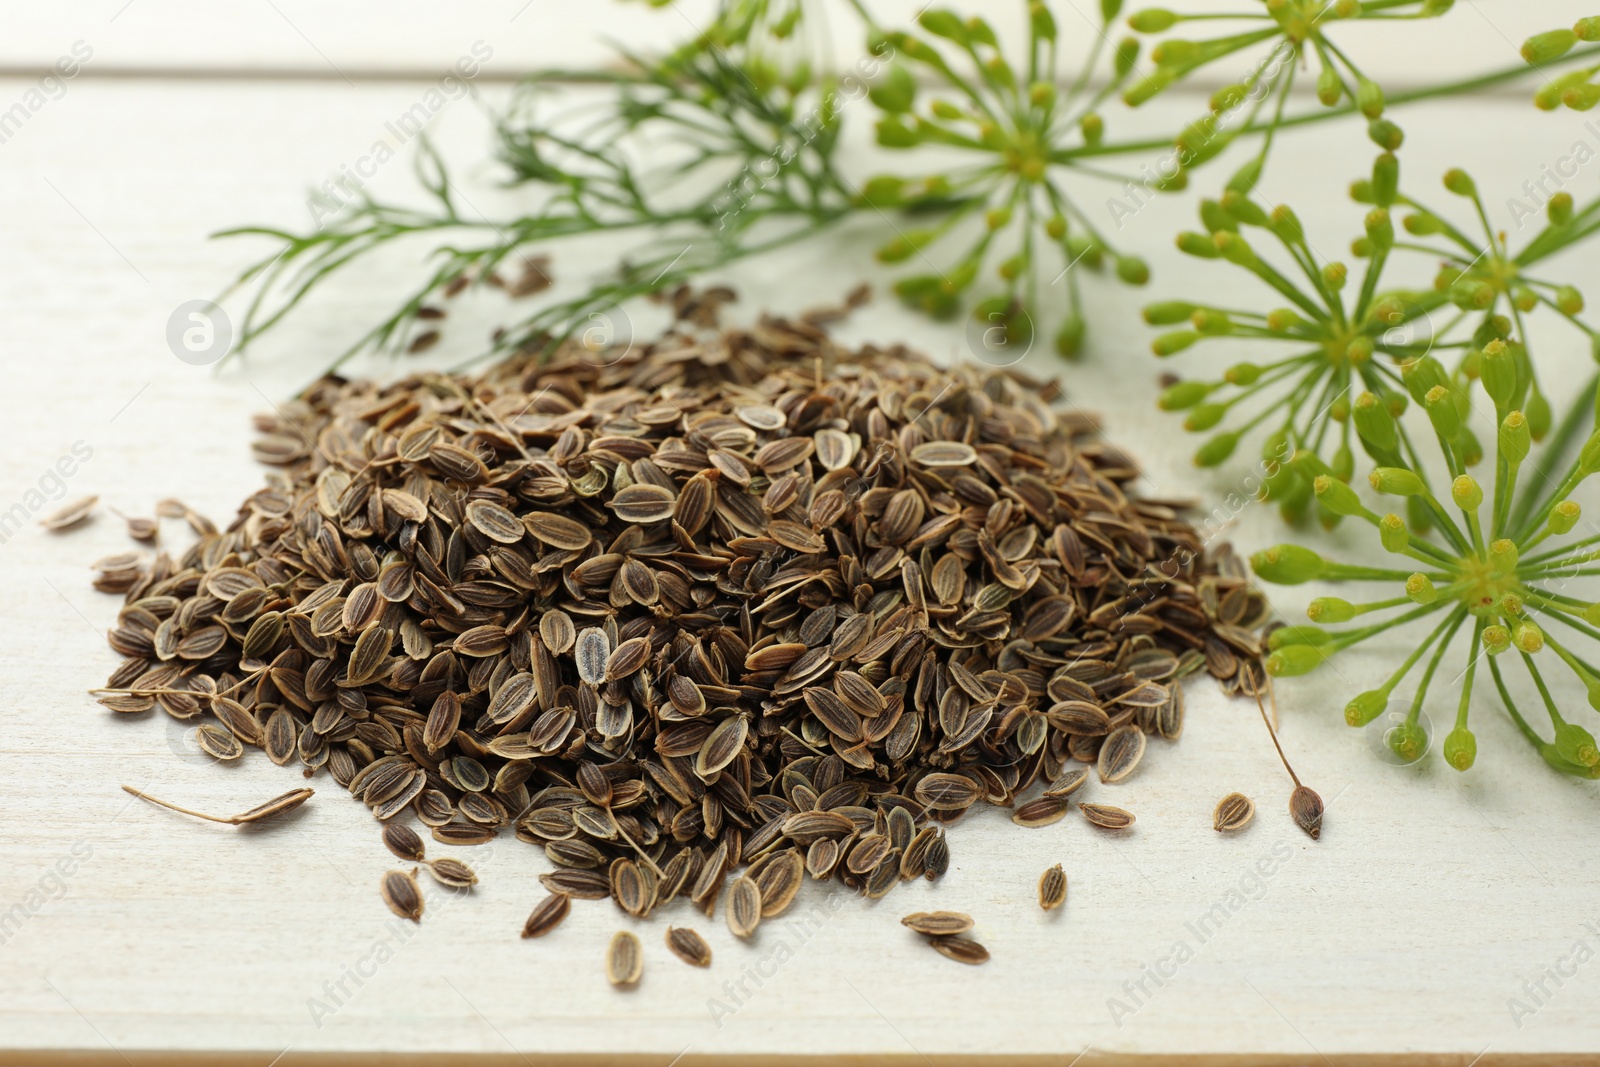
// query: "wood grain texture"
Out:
[1403,934]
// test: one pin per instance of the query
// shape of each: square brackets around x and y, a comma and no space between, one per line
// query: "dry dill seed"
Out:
[729,610]
[271,809]
[1068,782]
[937,923]
[624,959]
[460,833]
[547,915]
[1106,817]
[400,892]
[960,949]
[1305,804]
[1052,888]
[452,872]
[139,528]
[779,882]
[688,946]
[1040,812]
[1120,753]
[1305,807]
[1233,812]
[823,856]
[867,853]
[938,857]
[403,841]
[217,742]
[633,887]
[280,739]
[70,515]
[744,908]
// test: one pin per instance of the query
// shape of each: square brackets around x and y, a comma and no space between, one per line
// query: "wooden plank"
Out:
[1408,932]
[365,37]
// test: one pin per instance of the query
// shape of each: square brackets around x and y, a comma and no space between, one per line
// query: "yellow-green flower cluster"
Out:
[1346,347]
[1575,88]
[1020,129]
[1286,38]
[1506,566]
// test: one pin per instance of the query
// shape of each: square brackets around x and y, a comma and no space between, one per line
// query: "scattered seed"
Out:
[1052,888]
[547,915]
[960,949]
[400,892]
[1106,817]
[403,841]
[938,923]
[1041,812]
[1233,812]
[260,813]
[452,872]
[624,959]
[140,528]
[688,946]
[69,516]
[1305,806]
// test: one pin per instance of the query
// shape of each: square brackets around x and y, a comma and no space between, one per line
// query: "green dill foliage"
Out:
[727,145]
[1497,567]
[1018,124]
[745,138]
[1345,344]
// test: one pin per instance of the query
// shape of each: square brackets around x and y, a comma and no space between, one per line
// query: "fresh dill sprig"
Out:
[1496,566]
[751,124]
[723,102]
[1021,124]
[1348,340]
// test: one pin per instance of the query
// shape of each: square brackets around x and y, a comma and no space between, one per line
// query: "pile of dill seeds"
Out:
[700,618]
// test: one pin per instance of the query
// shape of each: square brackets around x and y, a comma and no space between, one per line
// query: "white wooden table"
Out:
[1409,933]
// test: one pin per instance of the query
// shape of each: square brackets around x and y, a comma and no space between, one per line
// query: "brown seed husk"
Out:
[71,515]
[452,872]
[547,915]
[779,882]
[1120,753]
[139,527]
[1106,817]
[744,908]
[403,841]
[960,949]
[624,959]
[217,742]
[271,809]
[1052,888]
[1040,812]
[688,946]
[633,887]
[1233,812]
[1068,782]
[938,923]
[1305,807]
[577,884]
[400,891]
